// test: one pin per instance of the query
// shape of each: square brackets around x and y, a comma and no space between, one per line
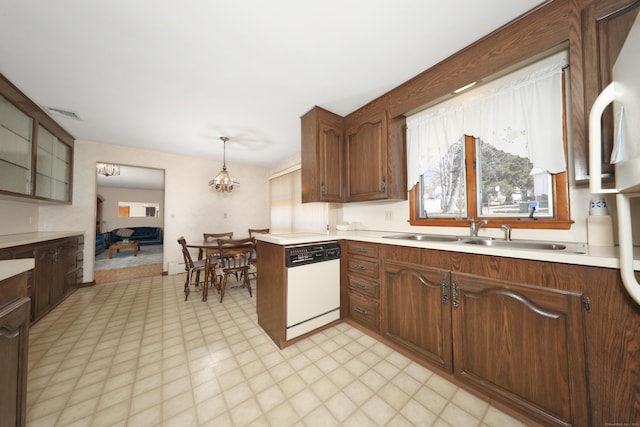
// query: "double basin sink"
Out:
[482,241]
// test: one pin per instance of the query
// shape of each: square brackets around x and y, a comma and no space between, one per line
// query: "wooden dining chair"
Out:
[254,255]
[191,267]
[254,231]
[235,258]
[213,237]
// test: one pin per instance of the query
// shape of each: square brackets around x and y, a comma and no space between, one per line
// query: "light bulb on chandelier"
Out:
[224,181]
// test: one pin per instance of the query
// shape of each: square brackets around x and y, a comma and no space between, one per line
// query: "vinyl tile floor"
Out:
[134,353]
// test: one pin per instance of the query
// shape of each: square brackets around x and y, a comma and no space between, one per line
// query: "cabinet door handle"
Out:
[8,332]
[384,184]
[454,289]
[361,286]
[322,190]
[445,291]
[361,311]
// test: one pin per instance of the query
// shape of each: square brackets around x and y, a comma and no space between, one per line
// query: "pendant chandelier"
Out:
[108,169]
[223,181]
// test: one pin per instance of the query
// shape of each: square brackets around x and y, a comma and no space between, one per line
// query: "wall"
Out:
[191,207]
[18,217]
[394,216]
[112,195]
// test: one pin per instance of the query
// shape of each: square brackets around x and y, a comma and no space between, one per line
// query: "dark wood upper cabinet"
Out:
[352,159]
[322,156]
[375,156]
[604,26]
[366,158]
[36,153]
[592,30]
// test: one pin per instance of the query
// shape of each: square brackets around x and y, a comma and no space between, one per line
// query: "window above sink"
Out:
[494,152]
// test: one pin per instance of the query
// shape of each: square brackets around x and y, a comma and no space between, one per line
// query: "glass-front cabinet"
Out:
[16,141]
[53,166]
[35,152]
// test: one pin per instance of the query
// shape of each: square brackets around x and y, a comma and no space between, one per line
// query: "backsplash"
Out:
[17,217]
[394,216]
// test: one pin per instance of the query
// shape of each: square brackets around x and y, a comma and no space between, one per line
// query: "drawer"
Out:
[363,286]
[364,311]
[363,266]
[362,249]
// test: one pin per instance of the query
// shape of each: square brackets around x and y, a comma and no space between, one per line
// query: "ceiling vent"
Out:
[63,113]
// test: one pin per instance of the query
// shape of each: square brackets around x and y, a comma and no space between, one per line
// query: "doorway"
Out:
[130,205]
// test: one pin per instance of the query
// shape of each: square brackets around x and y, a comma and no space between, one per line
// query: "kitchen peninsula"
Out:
[550,335]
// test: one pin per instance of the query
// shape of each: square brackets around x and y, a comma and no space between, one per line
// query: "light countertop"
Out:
[10,240]
[11,267]
[575,253]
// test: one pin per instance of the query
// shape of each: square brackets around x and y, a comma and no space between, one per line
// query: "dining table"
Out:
[210,250]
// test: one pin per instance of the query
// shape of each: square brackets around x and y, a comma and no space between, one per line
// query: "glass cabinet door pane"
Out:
[15,148]
[52,167]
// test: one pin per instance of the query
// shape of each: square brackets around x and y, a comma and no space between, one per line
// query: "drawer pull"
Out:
[360,250]
[361,286]
[361,311]
[359,267]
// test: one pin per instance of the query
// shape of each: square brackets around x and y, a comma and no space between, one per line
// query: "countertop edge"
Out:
[595,256]
[11,240]
[13,267]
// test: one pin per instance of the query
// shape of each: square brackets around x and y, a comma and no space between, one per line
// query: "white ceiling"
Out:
[175,76]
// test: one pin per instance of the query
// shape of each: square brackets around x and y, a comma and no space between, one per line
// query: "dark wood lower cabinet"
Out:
[510,330]
[417,315]
[365,311]
[14,343]
[58,269]
[522,343]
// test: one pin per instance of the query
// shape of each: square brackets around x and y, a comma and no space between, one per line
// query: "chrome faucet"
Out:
[507,232]
[475,226]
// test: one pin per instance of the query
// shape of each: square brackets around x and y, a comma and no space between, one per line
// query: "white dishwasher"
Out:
[313,286]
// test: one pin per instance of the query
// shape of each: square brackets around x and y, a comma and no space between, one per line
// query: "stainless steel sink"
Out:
[517,244]
[423,237]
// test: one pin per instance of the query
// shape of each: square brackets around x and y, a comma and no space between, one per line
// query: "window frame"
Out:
[560,220]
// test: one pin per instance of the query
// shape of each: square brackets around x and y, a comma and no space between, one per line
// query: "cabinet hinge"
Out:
[454,296]
[384,184]
[322,190]
[586,303]
[445,291]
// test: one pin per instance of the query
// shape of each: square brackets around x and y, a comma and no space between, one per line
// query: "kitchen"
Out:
[377,303]
[391,215]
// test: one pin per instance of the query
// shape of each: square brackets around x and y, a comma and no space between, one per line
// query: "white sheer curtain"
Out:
[429,136]
[288,213]
[521,115]
[523,118]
